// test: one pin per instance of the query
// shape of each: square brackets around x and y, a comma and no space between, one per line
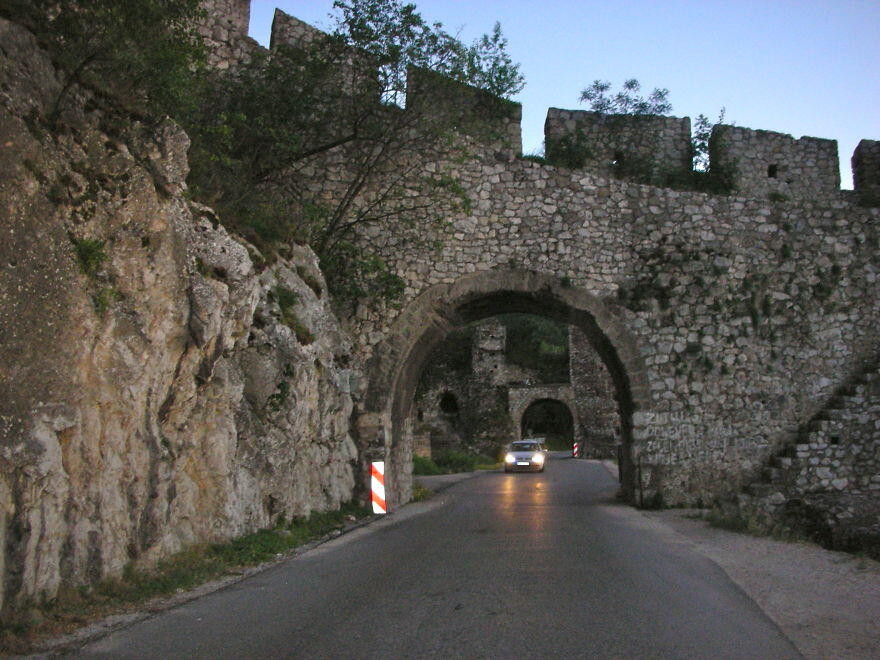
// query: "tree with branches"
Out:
[626,101]
[344,106]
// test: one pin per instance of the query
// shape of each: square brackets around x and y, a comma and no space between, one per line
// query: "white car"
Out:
[525,456]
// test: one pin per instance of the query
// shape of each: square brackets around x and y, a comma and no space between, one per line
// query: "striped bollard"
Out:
[377,486]
[574,450]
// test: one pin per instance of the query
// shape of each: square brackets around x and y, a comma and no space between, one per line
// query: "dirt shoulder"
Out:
[827,603]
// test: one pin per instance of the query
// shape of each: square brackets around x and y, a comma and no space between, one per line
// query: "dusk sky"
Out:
[804,68]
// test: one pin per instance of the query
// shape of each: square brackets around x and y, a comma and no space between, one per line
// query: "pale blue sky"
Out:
[798,67]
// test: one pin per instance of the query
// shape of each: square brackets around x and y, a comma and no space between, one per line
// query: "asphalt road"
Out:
[519,565]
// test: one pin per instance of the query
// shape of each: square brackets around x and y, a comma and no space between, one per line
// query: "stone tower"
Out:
[488,405]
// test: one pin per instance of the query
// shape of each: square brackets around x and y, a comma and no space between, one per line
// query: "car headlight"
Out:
[510,458]
[538,457]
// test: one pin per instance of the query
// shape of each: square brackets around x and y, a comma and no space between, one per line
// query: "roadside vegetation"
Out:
[450,461]
[75,607]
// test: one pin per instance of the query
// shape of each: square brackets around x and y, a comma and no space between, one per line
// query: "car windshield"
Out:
[524,446]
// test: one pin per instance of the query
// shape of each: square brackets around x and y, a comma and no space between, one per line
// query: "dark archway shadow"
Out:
[550,418]
[394,370]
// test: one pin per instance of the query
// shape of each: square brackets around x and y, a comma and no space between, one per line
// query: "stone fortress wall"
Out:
[188,411]
[763,163]
[593,398]
[748,309]
[865,165]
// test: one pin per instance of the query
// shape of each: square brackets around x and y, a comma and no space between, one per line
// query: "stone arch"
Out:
[564,403]
[521,398]
[394,369]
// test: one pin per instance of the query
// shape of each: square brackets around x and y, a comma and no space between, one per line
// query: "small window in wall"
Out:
[772,171]
[618,159]
[420,414]
[448,404]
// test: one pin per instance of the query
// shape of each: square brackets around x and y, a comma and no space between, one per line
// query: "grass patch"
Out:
[422,465]
[286,300]
[451,461]
[104,298]
[90,254]
[76,606]
[420,493]
[748,524]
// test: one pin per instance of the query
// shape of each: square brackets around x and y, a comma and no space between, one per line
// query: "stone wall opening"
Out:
[551,419]
[448,404]
[397,362]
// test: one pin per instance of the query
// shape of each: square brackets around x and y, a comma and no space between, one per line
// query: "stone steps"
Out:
[816,442]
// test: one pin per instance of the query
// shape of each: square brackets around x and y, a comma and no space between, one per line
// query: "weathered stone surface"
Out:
[156,398]
[829,479]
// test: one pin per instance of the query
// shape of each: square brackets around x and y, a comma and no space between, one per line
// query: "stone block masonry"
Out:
[866,172]
[764,164]
[646,148]
[826,482]
[594,398]
[225,30]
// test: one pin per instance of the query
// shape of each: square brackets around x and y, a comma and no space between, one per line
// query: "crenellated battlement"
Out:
[290,31]
[642,148]
[648,148]
[766,164]
[494,120]
[866,172]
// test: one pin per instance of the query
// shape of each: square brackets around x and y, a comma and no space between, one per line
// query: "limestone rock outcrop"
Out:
[153,393]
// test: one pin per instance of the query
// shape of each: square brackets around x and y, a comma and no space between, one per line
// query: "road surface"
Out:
[519,565]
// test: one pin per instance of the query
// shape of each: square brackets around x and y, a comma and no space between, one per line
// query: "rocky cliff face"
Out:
[156,389]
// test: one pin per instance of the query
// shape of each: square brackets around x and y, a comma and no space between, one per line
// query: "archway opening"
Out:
[549,419]
[399,361]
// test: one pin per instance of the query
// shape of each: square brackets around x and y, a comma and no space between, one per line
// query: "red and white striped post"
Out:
[575,448]
[377,486]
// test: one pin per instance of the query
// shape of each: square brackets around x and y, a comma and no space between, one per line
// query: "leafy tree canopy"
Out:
[142,53]
[264,132]
[702,132]
[627,101]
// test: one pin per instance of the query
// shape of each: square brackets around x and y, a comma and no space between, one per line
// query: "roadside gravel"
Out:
[827,603]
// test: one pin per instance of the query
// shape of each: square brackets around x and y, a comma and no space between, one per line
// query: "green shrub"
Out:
[425,466]
[90,253]
[310,281]
[451,460]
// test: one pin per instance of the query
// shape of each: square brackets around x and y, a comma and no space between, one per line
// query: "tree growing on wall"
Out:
[701,134]
[339,105]
[265,139]
[627,100]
